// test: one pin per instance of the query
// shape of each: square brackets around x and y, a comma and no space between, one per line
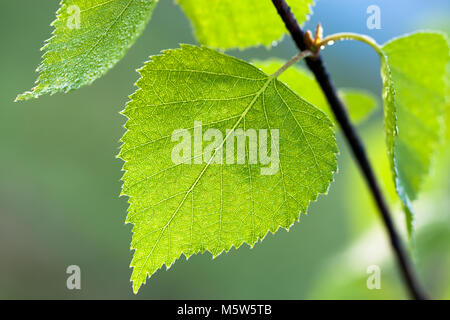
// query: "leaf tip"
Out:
[136,285]
[27,95]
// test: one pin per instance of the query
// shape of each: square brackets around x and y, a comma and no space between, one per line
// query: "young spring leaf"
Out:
[198,204]
[227,24]
[360,103]
[89,38]
[413,68]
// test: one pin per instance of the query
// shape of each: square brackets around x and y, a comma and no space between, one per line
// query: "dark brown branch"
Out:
[317,66]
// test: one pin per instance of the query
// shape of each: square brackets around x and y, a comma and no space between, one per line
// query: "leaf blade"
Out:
[413,69]
[360,103]
[78,54]
[187,209]
[227,24]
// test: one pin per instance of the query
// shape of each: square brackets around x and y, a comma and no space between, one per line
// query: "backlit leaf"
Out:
[360,103]
[89,38]
[201,205]
[413,68]
[230,24]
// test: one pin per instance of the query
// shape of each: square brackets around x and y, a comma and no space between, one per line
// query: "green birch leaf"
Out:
[227,24]
[413,68]
[360,103]
[89,38]
[194,199]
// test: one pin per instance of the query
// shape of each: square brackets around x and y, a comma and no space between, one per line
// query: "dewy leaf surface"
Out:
[413,69]
[227,24]
[181,208]
[360,103]
[89,38]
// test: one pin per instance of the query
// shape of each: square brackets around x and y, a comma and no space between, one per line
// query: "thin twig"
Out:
[317,66]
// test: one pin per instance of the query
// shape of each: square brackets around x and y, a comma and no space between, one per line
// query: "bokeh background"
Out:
[60,180]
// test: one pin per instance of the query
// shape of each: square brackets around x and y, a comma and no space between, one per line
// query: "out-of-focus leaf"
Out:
[360,103]
[227,24]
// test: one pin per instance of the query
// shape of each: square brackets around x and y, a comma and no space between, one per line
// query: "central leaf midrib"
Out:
[102,36]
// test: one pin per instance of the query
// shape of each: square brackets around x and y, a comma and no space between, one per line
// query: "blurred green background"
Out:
[60,180]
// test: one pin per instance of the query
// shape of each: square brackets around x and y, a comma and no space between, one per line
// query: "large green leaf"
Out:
[360,103]
[230,24]
[89,38]
[413,69]
[187,208]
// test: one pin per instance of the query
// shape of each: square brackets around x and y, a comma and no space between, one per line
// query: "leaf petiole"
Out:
[300,56]
[329,40]
[323,43]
